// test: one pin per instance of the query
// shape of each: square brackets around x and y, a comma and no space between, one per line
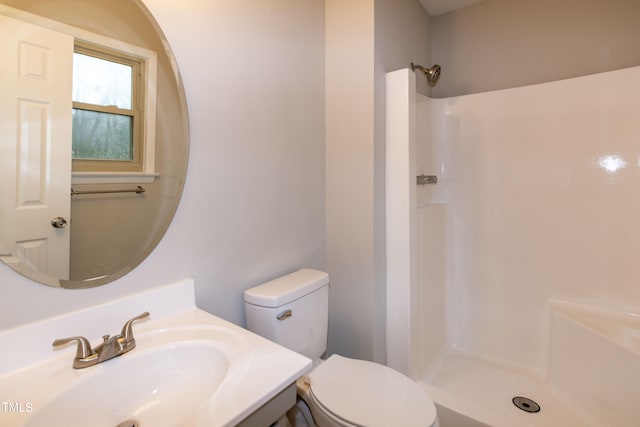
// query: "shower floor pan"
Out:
[591,379]
[471,392]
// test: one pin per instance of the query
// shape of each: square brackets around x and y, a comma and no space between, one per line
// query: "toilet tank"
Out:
[292,311]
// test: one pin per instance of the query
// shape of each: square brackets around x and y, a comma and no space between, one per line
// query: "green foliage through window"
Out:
[102,136]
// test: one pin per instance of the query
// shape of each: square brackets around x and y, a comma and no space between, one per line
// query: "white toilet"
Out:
[293,311]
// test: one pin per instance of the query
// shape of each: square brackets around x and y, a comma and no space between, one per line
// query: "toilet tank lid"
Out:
[287,288]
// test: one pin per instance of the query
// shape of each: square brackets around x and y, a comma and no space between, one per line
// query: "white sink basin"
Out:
[168,379]
[188,369]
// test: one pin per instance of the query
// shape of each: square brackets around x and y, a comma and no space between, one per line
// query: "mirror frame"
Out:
[174,187]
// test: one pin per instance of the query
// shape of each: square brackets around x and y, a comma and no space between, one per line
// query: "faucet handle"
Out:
[84,347]
[127,329]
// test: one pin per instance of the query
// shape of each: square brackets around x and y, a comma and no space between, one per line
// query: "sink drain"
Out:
[129,423]
[526,404]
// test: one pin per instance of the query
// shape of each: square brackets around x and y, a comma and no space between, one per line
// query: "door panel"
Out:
[35,146]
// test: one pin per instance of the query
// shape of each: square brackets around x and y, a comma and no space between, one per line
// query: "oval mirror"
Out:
[93,138]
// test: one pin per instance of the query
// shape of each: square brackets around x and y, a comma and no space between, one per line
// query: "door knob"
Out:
[58,222]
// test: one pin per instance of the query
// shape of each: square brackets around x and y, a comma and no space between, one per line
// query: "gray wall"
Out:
[349,53]
[402,34]
[498,44]
[253,204]
[364,39]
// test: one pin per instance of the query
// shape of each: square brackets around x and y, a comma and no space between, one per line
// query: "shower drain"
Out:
[526,404]
[129,423]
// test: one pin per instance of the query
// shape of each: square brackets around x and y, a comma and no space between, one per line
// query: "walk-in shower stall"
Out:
[513,269]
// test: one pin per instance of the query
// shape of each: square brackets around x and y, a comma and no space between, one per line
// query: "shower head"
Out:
[432,73]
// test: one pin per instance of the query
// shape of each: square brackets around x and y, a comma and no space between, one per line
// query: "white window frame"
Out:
[134,111]
[150,59]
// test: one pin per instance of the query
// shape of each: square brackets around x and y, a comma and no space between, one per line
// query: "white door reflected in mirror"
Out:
[35,114]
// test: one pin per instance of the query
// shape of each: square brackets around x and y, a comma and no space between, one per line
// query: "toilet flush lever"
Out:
[285,315]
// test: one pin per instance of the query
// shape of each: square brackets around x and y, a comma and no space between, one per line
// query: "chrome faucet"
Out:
[111,346]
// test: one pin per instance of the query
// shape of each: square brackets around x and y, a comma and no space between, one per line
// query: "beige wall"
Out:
[499,44]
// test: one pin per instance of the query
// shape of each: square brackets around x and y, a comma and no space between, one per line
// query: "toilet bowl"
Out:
[293,311]
[350,392]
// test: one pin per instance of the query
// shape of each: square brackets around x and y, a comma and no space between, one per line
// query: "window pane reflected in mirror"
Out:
[100,136]
[101,82]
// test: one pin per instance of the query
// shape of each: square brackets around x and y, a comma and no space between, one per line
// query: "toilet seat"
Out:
[359,392]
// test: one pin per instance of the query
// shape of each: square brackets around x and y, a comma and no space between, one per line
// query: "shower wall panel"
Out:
[541,184]
[431,232]
[431,279]
[429,149]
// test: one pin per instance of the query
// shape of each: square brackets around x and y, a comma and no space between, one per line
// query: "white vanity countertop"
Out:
[263,369]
